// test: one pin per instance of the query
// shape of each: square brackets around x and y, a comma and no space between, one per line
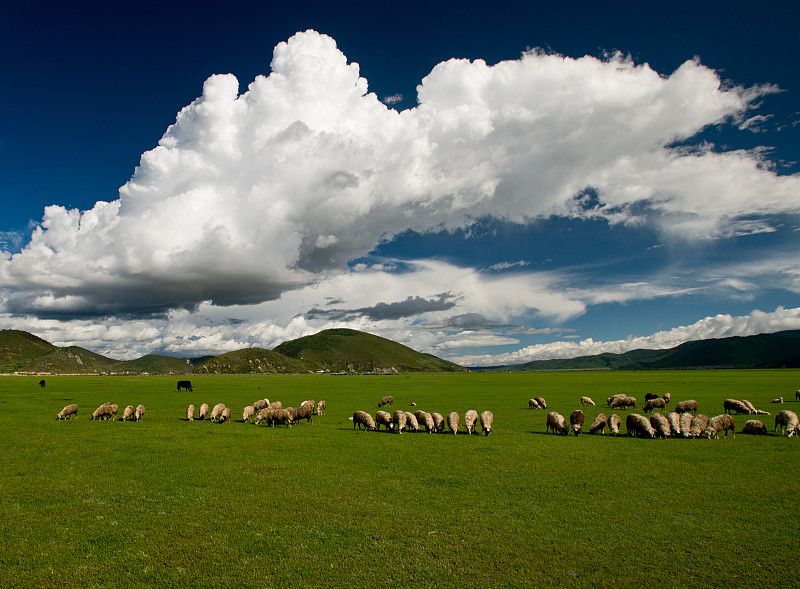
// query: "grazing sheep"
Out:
[321,407]
[487,419]
[541,401]
[750,406]
[610,400]
[203,411]
[576,420]
[127,413]
[260,404]
[216,411]
[190,413]
[470,419]
[788,422]
[412,424]
[648,396]
[273,416]
[660,424]
[719,424]
[262,415]
[675,423]
[778,400]
[387,400]
[453,421]
[613,424]
[622,401]
[657,403]
[686,407]
[275,405]
[102,412]
[305,411]
[71,409]
[399,420]
[698,425]
[667,397]
[438,422]
[248,412]
[638,426]
[730,405]
[599,424]
[754,427]
[533,404]
[114,408]
[587,401]
[426,419]
[138,415]
[225,416]
[557,423]
[686,424]
[383,418]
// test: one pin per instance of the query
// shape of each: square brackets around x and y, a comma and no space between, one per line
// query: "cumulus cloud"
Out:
[253,194]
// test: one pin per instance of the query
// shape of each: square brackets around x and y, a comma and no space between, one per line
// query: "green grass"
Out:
[168,503]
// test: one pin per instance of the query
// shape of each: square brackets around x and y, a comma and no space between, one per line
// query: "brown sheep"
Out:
[71,409]
[638,426]
[719,424]
[730,405]
[387,400]
[576,420]
[599,424]
[657,403]
[698,425]
[686,407]
[754,427]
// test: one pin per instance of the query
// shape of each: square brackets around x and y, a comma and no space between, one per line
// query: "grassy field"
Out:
[169,503]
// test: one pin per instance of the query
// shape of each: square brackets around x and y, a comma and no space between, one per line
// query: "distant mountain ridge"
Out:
[775,350]
[334,350]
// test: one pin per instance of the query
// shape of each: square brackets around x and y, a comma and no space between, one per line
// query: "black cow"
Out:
[41,383]
[185,384]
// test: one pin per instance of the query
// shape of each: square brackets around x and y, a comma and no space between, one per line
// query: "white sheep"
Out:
[638,426]
[587,401]
[203,411]
[71,409]
[321,406]
[387,400]
[686,420]
[411,422]
[754,427]
[273,416]
[686,407]
[127,413]
[248,412]
[399,420]
[613,424]
[657,403]
[719,424]
[533,404]
[667,397]
[470,419]
[102,412]
[426,419]
[660,424]
[788,422]
[382,418]
[698,425]
[305,411]
[438,422]
[487,420]
[576,420]
[275,405]
[674,423]
[225,415]
[557,423]
[730,405]
[216,411]
[541,402]
[453,420]
[190,413]
[749,406]
[623,401]
[778,400]
[599,424]
[138,415]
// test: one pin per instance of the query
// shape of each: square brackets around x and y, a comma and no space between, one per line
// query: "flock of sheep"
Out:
[262,411]
[432,422]
[106,411]
[682,422]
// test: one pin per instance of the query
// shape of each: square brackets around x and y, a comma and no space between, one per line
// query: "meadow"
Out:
[171,503]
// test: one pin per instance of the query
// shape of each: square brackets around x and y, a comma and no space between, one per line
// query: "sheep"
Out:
[127,413]
[261,415]
[576,420]
[71,409]
[754,427]
[587,401]
[533,404]
[730,405]
[667,397]
[686,420]
[248,412]
[487,419]
[203,411]
[638,426]
[260,404]
[660,424]
[305,411]
[657,403]
[383,418]
[215,412]
[613,424]
[470,418]
[698,426]
[425,419]
[674,423]
[321,406]
[623,401]
[612,397]
[273,416]
[788,422]
[453,421]
[541,401]
[399,420]
[102,412]
[686,407]
[648,396]
[750,406]
[225,416]
[114,408]
[138,415]
[275,405]
[310,402]
[412,424]
[557,423]
[720,423]
[599,424]
[190,413]
[778,400]
[438,422]
[387,400]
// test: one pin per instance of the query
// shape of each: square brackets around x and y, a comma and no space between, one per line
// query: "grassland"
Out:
[168,503]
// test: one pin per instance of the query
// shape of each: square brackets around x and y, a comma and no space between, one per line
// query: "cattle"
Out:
[185,384]
[41,383]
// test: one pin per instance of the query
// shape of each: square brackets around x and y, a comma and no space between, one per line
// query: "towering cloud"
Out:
[249,195]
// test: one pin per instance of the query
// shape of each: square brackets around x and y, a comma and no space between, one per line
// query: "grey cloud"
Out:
[410,307]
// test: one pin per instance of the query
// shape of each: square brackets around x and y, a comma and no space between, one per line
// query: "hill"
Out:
[20,348]
[348,350]
[252,360]
[777,350]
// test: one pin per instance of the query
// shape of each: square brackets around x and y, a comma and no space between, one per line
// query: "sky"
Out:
[491,184]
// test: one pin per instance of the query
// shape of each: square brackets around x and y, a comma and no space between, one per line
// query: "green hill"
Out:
[252,360]
[19,348]
[348,350]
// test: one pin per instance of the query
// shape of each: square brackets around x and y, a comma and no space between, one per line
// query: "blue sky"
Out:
[488,184]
